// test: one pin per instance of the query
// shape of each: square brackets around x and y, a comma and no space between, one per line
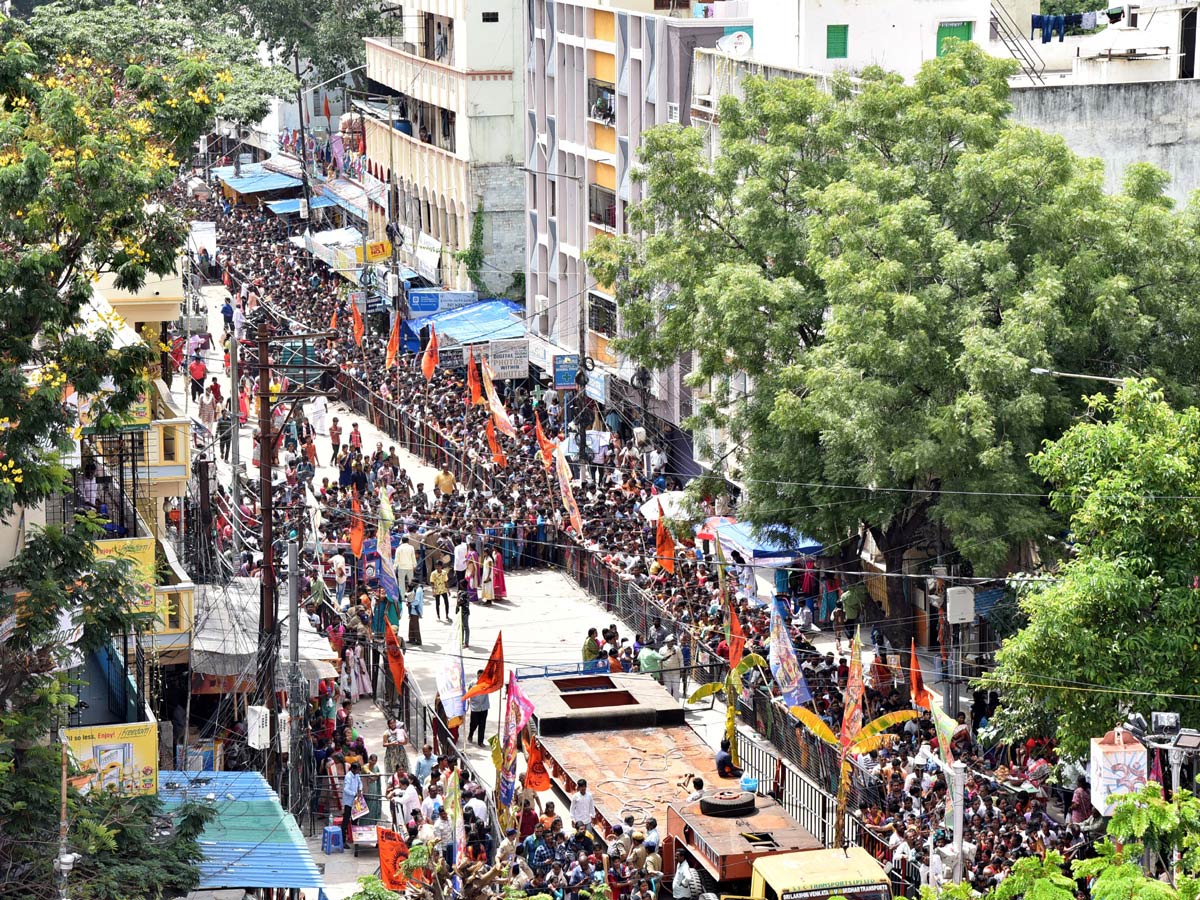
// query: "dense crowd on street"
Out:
[455,542]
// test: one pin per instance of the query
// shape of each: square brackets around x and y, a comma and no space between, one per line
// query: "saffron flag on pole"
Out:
[430,358]
[545,445]
[395,656]
[664,544]
[325,104]
[333,320]
[499,413]
[536,776]
[473,384]
[737,639]
[393,851]
[852,714]
[393,344]
[359,328]
[498,456]
[920,694]
[517,713]
[356,528]
[785,668]
[492,678]
[563,469]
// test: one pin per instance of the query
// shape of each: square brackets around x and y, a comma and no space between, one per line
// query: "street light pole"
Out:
[958,788]
[304,210]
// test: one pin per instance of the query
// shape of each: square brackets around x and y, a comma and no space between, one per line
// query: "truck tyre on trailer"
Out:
[727,803]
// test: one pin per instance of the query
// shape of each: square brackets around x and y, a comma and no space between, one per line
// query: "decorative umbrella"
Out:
[707,530]
[674,505]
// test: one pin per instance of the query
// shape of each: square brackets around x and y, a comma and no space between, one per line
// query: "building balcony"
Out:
[439,172]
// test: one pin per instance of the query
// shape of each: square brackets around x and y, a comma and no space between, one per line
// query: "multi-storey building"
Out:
[598,74]
[446,137]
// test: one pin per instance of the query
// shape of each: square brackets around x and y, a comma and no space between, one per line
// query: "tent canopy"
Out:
[262,183]
[251,842]
[759,550]
[487,320]
[226,640]
[286,207]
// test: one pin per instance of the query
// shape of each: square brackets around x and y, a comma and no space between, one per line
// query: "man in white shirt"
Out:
[479,807]
[431,804]
[460,560]
[409,800]
[583,805]
[406,563]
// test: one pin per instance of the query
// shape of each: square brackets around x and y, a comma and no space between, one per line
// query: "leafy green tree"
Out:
[329,35]
[885,263]
[1121,612]
[174,35]
[85,143]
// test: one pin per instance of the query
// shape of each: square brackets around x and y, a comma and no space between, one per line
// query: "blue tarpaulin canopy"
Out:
[261,182]
[251,842]
[286,207]
[758,550]
[227,172]
[487,320]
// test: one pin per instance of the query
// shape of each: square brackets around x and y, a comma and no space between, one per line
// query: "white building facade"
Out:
[597,75]
[446,136]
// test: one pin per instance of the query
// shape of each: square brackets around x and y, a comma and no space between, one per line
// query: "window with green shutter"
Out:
[960,30]
[837,41]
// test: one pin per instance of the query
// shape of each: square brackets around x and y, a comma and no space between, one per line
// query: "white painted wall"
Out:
[899,35]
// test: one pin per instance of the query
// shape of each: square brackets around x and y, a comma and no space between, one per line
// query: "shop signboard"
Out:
[115,758]
[140,552]
[566,367]
[424,302]
[508,359]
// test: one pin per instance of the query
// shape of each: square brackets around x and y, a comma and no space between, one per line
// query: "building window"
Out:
[491,17]
[602,315]
[960,30]
[837,41]
[601,100]
[602,206]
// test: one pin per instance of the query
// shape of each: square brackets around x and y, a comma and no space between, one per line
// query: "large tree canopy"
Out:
[85,143]
[887,262]
[1123,613]
[169,34]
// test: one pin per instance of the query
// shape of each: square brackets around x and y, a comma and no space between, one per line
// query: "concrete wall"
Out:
[502,189]
[899,35]
[1157,122]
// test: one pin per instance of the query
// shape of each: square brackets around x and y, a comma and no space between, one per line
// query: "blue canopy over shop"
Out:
[261,182]
[252,842]
[287,207]
[487,320]
[759,550]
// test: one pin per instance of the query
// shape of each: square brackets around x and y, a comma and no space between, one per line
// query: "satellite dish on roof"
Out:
[737,44]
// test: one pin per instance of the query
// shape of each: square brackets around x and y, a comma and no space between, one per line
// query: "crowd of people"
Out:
[457,537]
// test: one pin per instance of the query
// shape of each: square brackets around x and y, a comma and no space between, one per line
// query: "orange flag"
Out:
[395,656]
[333,320]
[546,445]
[664,543]
[393,851]
[737,639]
[429,360]
[325,105]
[920,694]
[359,328]
[393,347]
[356,528]
[493,672]
[536,776]
[497,451]
[473,380]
